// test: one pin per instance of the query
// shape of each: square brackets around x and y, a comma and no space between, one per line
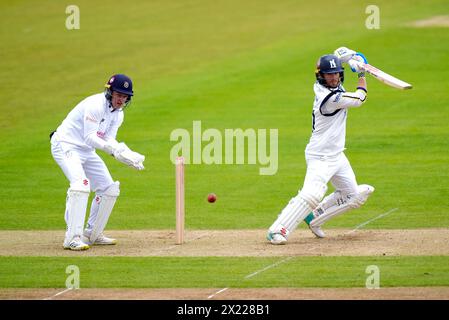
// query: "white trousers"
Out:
[78,164]
[336,170]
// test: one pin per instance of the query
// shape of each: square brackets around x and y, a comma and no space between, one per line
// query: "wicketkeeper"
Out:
[91,125]
[325,158]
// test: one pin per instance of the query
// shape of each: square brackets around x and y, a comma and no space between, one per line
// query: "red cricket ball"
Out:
[211,197]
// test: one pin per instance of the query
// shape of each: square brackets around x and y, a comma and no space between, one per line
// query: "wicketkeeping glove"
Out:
[125,155]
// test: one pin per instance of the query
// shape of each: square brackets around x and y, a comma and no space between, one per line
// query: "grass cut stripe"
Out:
[158,272]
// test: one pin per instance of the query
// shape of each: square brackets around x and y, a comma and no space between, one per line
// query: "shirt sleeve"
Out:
[341,100]
[111,133]
[92,118]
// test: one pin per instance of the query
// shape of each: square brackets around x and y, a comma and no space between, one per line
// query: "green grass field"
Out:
[163,272]
[229,64]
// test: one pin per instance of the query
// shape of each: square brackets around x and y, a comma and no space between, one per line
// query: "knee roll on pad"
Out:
[364,191]
[81,185]
[313,193]
[113,190]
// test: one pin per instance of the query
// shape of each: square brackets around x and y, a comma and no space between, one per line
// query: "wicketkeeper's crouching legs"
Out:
[100,211]
[296,210]
[336,204]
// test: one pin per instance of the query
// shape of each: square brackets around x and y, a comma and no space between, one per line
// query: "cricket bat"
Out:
[382,76]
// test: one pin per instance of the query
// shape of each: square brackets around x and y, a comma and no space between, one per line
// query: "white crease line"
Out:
[254,274]
[268,267]
[369,221]
[288,258]
[59,293]
[177,245]
[166,249]
[218,292]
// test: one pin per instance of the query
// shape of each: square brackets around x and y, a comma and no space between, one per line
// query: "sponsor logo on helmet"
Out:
[126,84]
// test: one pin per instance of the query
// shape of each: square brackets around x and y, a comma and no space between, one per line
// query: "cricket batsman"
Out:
[324,153]
[92,125]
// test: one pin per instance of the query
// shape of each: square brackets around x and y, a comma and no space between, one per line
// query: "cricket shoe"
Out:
[317,231]
[101,240]
[76,244]
[276,238]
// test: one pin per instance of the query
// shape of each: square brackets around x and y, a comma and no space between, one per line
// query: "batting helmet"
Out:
[328,64]
[119,83]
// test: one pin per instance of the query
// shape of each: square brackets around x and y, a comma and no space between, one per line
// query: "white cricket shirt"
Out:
[329,119]
[91,123]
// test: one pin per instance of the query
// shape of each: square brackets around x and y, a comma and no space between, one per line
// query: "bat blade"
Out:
[384,77]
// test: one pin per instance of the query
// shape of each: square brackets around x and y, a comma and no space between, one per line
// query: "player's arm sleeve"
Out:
[336,100]
[111,134]
[348,99]
[92,118]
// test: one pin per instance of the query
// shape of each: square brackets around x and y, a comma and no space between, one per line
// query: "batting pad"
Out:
[296,210]
[106,204]
[76,206]
[336,203]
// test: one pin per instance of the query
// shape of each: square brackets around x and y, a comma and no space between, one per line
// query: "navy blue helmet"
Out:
[328,64]
[120,83]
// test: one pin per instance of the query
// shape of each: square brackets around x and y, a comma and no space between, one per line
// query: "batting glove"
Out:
[344,54]
[357,57]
